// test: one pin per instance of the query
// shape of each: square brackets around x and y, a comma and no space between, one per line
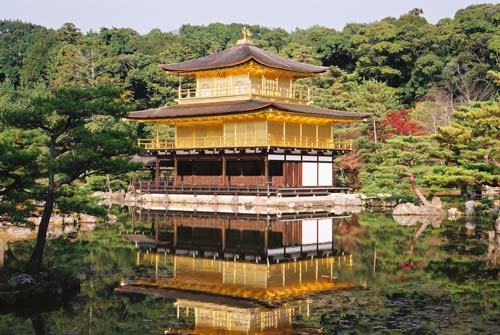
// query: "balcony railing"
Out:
[245,141]
[245,90]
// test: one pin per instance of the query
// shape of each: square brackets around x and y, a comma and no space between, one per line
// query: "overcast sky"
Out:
[144,15]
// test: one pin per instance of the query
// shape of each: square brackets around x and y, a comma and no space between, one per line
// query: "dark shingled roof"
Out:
[241,106]
[240,54]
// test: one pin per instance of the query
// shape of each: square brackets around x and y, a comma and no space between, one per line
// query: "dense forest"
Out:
[433,90]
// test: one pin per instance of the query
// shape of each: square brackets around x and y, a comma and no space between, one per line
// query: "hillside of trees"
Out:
[433,90]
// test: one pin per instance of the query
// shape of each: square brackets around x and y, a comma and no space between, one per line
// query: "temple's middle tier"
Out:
[265,130]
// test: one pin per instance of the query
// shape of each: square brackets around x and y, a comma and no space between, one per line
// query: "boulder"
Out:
[118,197]
[343,210]
[19,232]
[452,211]
[87,226]
[436,202]
[470,225]
[69,219]
[56,219]
[469,207]
[411,220]
[432,211]
[110,218]
[497,225]
[406,209]
[406,220]
[492,191]
[85,218]
[425,214]
[21,280]
[54,231]
[35,220]
[346,199]
[69,229]
[130,197]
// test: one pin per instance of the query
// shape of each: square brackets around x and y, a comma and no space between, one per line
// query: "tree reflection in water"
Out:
[453,286]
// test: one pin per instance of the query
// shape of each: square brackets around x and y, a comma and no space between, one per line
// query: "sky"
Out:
[168,15]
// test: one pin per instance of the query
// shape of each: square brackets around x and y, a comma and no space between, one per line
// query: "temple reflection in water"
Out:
[227,297]
[210,318]
[245,274]
[259,238]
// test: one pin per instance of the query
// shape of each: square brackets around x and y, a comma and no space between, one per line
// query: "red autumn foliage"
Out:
[400,123]
[350,164]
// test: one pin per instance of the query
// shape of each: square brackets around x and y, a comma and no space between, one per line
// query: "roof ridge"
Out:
[240,54]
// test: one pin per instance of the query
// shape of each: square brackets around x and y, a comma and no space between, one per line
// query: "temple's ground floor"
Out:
[258,169]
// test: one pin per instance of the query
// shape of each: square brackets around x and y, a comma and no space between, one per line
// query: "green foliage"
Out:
[408,54]
[340,90]
[19,167]
[105,183]
[24,51]
[470,147]
[389,166]
[75,198]
[82,136]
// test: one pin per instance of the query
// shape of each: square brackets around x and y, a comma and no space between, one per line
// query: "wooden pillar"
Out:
[157,230]
[224,169]
[157,171]
[157,135]
[300,135]
[174,242]
[317,237]
[333,236]
[175,169]
[284,133]
[317,135]
[317,171]
[266,170]
[223,239]
[297,171]
[333,173]
[285,180]
[266,239]
[298,180]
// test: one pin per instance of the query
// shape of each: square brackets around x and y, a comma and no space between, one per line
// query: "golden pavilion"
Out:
[244,124]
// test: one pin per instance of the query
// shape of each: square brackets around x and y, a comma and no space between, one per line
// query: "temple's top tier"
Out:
[242,54]
[243,72]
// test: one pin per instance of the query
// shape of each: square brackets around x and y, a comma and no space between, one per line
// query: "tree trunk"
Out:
[411,248]
[478,192]
[38,324]
[417,191]
[463,191]
[35,262]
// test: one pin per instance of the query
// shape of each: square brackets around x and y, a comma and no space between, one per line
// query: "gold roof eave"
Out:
[270,114]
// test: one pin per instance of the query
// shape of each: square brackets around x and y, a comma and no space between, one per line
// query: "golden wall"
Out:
[251,133]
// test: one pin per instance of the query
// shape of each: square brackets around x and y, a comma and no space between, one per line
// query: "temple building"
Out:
[244,123]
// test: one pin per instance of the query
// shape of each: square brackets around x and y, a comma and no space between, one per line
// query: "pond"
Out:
[164,272]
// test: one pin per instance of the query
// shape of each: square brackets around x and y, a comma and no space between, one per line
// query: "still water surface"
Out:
[278,274]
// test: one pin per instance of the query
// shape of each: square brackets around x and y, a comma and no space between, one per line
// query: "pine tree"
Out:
[82,138]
